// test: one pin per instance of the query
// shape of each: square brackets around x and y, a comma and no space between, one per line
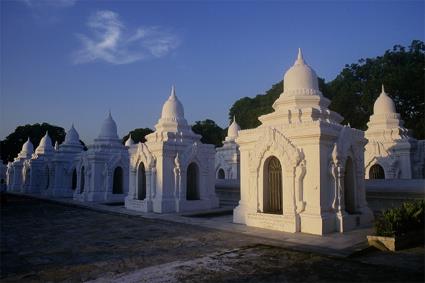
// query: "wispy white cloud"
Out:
[48,11]
[50,3]
[113,42]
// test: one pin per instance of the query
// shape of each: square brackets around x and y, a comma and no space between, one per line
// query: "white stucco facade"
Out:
[102,174]
[301,170]
[227,157]
[37,171]
[173,171]
[14,172]
[391,153]
[64,165]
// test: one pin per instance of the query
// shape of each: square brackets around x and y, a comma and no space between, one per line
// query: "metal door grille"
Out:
[273,188]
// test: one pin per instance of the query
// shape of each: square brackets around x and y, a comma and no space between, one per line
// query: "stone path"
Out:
[334,244]
[45,241]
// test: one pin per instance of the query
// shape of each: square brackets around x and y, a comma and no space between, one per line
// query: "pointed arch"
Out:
[47,177]
[117,182]
[376,171]
[273,140]
[74,179]
[192,187]
[141,182]
[221,174]
[272,186]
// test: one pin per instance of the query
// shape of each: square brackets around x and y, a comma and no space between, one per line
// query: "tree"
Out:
[138,135]
[354,91]
[12,144]
[401,70]
[211,133]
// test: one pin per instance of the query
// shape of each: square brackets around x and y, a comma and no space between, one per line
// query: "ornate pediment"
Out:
[275,141]
[142,154]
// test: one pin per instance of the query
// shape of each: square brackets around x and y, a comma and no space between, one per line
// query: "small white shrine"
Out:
[102,174]
[227,156]
[64,165]
[14,169]
[173,171]
[301,170]
[391,153]
[37,171]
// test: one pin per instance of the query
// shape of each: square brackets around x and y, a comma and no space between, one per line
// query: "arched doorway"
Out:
[141,182]
[349,187]
[82,179]
[117,182]
[192,192]
[221,174]
[47,171]
[376,172]
[74,179]
[272,190]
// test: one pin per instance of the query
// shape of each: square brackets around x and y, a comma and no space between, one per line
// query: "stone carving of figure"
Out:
[177,176]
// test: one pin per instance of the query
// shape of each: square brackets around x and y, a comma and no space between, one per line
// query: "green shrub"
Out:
[398,221]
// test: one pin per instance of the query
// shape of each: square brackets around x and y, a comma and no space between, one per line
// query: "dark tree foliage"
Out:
[138,135]
[211,133]
[355,89]
[12,144]
[401,70]
[247,110]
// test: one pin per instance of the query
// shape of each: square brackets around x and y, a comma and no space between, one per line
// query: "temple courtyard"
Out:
[45,241]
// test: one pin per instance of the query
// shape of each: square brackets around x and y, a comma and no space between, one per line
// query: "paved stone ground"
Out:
[43,241]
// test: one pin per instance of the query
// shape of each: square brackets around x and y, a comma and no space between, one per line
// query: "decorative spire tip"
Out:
[173,91]
[300,58]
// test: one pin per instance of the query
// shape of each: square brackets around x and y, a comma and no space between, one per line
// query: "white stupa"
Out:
[15,178]
[227,156]
[37,171]
[390,152]
[300,167]
[103,168]
[65,163]
[173,171]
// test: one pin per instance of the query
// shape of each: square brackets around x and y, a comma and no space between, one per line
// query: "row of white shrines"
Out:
[299,171]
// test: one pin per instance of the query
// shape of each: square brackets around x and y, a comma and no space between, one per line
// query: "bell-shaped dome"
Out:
[109,129]
[232,131]
[172,109]
[45,145]
[384,104]
[129,142]
[27,147]
[72,136]
[300,76]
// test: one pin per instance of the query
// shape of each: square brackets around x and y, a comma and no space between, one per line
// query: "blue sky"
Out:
[67,61]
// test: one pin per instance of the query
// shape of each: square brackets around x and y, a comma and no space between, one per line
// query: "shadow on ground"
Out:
[44,241]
